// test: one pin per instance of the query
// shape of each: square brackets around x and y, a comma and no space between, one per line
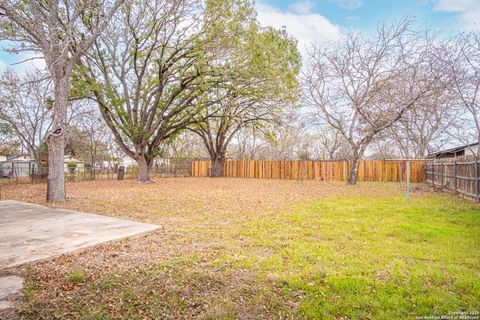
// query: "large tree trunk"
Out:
[143,168]
[217,166]
[55,142]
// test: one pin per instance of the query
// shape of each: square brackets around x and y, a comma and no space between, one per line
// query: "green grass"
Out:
[374,258]
[29,293]
[76,276]
[369,256]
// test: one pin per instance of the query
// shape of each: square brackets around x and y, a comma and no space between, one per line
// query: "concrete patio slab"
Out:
[10,285]
[31,232]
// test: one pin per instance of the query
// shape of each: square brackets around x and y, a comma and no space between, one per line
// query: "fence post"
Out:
[433,172]
[400,168]
[408,181]
[425,174]
[455,176]
[120,173]
[442,164]
[476,180]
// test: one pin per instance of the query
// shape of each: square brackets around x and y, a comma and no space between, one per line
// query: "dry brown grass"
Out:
[180,271]
[194,198]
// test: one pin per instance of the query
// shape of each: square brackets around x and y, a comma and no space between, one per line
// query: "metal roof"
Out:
[452,150]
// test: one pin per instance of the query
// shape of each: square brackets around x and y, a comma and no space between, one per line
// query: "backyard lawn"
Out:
[253,249]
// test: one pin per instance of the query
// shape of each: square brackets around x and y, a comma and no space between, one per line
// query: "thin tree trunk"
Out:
[352,178]
[331,154]
[56,142]
[92,167]
[35,155]
[478,146]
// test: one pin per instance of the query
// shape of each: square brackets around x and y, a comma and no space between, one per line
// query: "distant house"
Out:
[127,161]
[16,166]
[466,150]
[18,159]
[3,158]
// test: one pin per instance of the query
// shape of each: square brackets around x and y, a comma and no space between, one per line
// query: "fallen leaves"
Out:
[189,268]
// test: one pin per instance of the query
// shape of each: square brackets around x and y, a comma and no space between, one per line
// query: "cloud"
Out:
[302,7]
[34,63]
[30,62]
[3,66]
[468,11]
[348,4]
[305,26]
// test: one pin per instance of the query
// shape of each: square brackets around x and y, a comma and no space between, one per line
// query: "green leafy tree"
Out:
[257,76]
[146,75]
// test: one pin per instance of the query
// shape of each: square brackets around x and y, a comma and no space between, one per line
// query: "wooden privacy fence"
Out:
[369,170]
[461,175]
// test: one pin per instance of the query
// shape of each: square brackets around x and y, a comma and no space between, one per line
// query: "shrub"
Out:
[71,166]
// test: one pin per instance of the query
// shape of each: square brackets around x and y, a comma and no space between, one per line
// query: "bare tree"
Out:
[60,32]
[185,145]
[464,64]
[383,147]
[93,136]
[248,143]
[24,107]
[332,145]
[423,129]
[362,86]
[285,141]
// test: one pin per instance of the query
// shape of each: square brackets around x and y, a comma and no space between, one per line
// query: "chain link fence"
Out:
[28,172]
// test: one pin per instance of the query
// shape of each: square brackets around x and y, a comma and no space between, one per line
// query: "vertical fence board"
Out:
[458,175]
[369,170]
